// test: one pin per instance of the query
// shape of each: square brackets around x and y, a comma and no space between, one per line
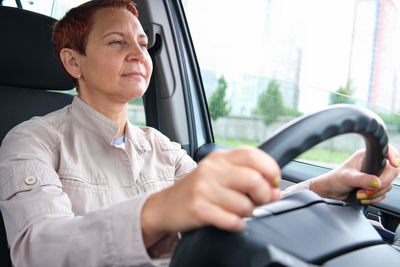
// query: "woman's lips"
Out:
[133,74]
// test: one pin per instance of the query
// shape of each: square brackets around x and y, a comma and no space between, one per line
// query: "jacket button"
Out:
[30,180]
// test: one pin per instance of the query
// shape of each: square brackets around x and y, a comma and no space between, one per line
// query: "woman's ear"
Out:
[70,61]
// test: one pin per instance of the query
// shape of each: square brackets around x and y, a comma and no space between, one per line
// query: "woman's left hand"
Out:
[339,182]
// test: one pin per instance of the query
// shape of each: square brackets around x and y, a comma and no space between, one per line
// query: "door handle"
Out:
[376,221]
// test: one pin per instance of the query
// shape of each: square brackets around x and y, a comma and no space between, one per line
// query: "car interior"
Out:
[32,83]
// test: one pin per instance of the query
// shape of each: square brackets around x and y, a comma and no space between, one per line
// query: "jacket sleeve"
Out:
[183,163]
[296,188]
[41,228]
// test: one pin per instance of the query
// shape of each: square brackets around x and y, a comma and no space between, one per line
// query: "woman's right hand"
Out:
[223,189]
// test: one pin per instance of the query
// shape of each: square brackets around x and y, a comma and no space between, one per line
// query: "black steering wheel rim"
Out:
[307,131]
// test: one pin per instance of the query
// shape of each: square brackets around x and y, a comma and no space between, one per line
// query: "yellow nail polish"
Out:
[397,163]
[365,201]
[374,183]
[361,196]
[277,182]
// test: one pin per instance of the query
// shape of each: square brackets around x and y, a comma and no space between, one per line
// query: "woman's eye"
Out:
[116,42]
[143,45]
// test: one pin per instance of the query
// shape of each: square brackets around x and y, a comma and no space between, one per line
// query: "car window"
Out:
[57,9]
[267,63]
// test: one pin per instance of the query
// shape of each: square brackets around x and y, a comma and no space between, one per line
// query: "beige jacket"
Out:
[69,197]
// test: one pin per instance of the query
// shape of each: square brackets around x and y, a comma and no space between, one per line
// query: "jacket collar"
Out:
[105,128]
[94,121]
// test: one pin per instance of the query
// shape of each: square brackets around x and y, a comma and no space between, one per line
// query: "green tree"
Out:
[217,106]
[270,104]
[342,95]
[292,112]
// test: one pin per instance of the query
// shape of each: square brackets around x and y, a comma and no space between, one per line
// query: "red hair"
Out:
[73,29]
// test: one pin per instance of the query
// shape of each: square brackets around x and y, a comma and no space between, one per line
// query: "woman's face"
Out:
[117,66]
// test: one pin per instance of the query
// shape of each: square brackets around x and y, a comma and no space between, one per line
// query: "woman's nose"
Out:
[136,53]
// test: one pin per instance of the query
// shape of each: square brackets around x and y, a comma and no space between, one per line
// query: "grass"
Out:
[319,156]
[236,142]
[325,157]
[316,156]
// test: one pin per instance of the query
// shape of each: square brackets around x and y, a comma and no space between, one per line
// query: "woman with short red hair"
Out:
[84,187]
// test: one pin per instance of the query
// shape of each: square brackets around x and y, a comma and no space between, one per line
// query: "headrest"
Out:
[26,52]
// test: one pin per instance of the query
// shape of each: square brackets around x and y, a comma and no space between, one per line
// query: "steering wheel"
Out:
[307,131]
[302,229]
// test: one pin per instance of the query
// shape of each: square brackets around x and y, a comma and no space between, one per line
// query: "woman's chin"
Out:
[133,96]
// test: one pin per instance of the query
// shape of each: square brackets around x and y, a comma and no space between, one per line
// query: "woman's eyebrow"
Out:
[111,33]
[142,35]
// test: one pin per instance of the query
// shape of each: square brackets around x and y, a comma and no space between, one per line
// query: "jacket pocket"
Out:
[82,181]
[150,180]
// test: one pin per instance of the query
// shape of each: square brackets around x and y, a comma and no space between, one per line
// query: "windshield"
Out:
[265,63]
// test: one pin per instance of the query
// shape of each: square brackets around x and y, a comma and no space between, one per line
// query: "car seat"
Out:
[29,73]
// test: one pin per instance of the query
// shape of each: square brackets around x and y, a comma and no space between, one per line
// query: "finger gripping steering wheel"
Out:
[301,229]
